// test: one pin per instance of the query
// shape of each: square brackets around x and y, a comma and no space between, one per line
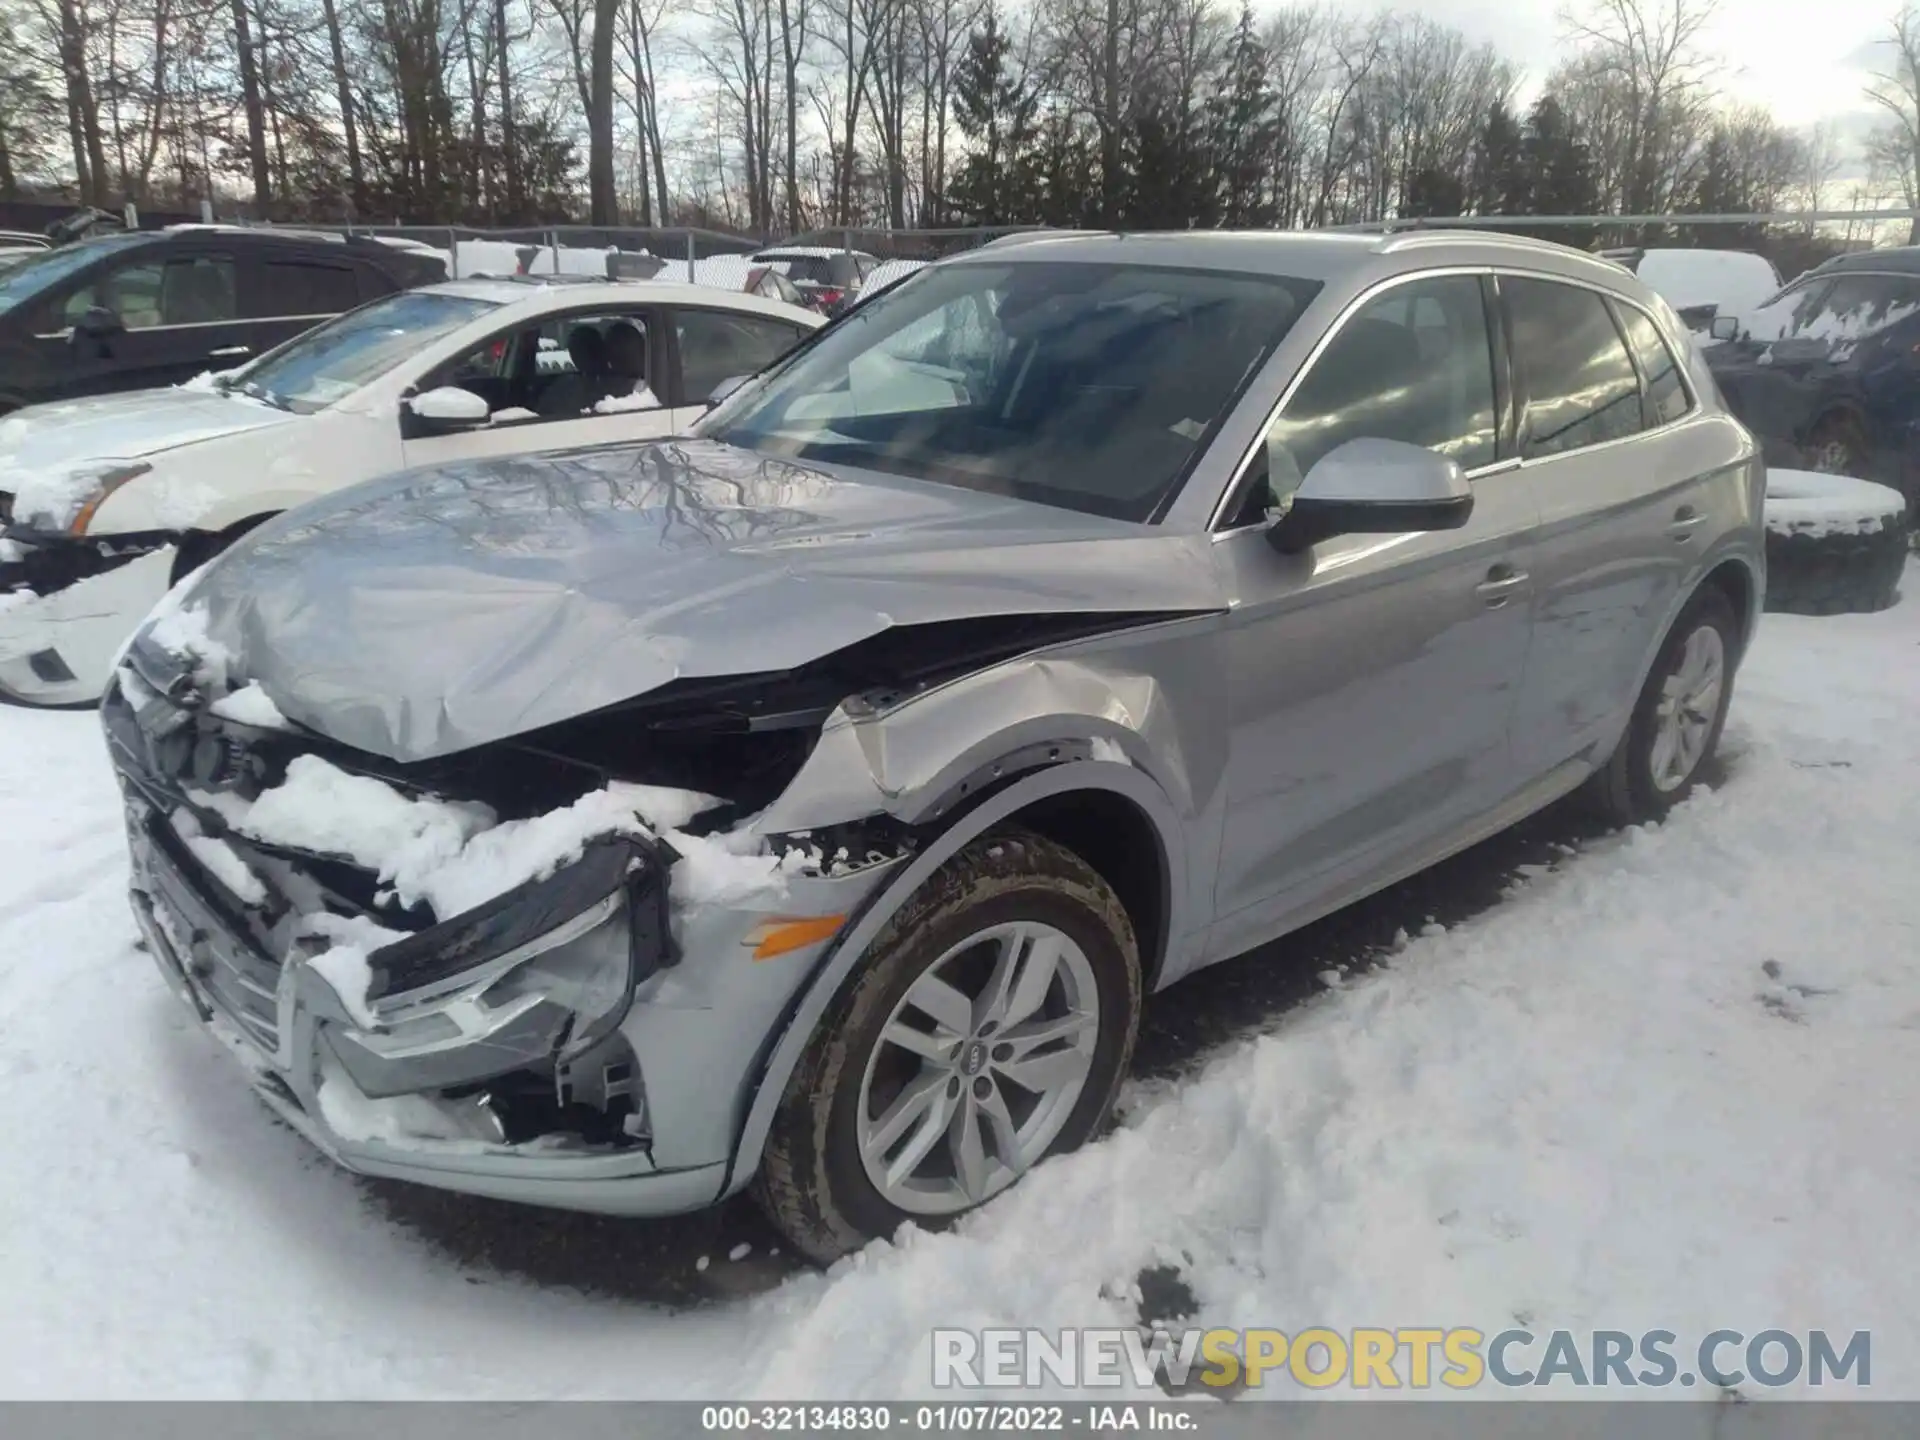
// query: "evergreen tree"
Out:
[994,108]
[1560,172]
[1500,184]
[1247,134]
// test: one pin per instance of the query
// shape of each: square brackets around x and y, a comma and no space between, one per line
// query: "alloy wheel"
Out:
[1689,704]
[978,1068]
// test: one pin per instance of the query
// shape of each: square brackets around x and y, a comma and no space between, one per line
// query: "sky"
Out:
[1771,51]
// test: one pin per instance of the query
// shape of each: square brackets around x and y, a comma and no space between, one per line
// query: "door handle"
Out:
[1499,586]
[229,352]
[1686,520]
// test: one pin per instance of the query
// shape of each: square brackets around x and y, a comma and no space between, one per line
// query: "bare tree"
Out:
[1895,147]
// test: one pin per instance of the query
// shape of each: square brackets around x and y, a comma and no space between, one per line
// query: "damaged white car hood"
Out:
[428,613]
[40,445]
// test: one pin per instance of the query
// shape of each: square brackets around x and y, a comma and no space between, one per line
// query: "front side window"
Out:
[329,363]
[1084,385]
[1666,393]
[1415,364]
[1581,386]
[196,291]
[37,274]
[716,346]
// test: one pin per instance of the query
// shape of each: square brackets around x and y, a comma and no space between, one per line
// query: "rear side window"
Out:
[716,347]
[1666,394]
[1412,365]
[302,287]
[1581,386]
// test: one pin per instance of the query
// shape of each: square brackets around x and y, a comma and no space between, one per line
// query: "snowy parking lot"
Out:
[1655,1079]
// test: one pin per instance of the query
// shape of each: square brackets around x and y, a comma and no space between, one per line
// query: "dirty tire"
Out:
[1839,574]
[811,1182]
[1838,446]
[1623,790]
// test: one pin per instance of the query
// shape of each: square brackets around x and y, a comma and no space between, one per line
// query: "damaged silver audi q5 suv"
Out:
[809,803]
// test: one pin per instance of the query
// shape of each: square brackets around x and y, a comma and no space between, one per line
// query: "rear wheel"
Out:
[1838,446]
[989,1027]
[1677,720]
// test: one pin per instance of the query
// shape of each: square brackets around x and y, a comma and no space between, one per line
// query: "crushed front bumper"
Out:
[67,605]
[683,1058]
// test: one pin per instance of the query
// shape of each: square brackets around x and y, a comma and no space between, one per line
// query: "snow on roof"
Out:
[1733,280]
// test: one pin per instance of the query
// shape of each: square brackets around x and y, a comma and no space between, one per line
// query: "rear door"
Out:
[1623,497]
[290,289]
[709,346]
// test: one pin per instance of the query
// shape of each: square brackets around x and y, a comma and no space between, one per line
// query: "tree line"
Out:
[778,116]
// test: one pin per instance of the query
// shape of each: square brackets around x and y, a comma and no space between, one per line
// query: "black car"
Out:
[1827,372]
[140,309]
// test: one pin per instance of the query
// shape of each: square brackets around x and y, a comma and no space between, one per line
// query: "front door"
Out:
[1373,678]
[559,384]
[175,314]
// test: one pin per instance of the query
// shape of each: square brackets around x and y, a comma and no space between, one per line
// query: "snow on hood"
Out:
[48,453]
[442,609]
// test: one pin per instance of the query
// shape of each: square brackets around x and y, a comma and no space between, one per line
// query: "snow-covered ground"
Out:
[1668,1083]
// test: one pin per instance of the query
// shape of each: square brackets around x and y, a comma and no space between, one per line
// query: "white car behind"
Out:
[110,501]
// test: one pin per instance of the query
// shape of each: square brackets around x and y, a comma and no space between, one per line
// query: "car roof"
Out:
[531,295]
[790,252]
[1307,255]
[1895,260]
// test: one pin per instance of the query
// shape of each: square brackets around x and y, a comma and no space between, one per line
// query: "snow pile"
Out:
[181,630]
[640,398]
[344,964]
[455,855]
[1806,502]
[406,840]
[250,705]
[220,858]
[1666,1084]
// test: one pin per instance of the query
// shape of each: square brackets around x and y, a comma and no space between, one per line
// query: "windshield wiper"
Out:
[259,392]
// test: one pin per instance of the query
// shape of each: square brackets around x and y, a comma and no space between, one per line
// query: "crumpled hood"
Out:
[437,610]
[40,445]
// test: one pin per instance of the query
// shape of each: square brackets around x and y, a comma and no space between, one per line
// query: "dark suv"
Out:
[147,308]
[1827,372]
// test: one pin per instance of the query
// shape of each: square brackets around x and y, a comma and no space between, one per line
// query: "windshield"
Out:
[328,364]
[1089,386]
[1837,310]
[41,270]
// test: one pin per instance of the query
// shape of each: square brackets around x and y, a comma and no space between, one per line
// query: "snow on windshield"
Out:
[1842,311]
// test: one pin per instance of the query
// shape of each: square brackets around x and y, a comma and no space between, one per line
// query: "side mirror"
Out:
[98,323]
[725,388]
[448,408]
[1724,327]
[1371,487]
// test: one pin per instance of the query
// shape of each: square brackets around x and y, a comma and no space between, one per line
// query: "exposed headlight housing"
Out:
[542,973]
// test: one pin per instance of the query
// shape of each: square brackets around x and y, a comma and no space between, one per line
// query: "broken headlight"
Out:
[540,974]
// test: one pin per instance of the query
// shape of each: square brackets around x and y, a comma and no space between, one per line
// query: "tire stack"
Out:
[1835,545]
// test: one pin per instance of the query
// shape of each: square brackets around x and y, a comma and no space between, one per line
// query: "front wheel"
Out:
[989,1027]
[1677,720]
